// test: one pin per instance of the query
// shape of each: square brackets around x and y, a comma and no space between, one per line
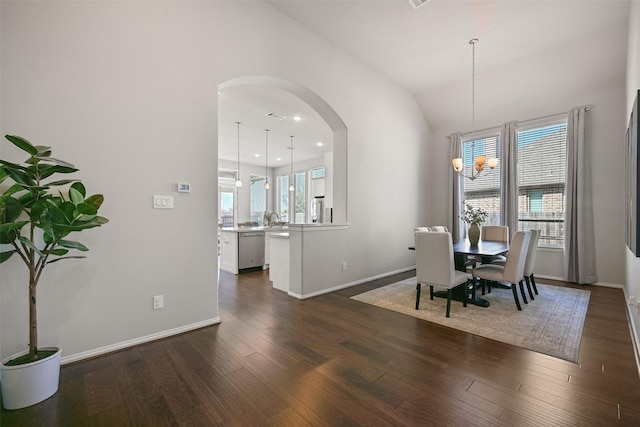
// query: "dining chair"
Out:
[513,269]
[435,266]
[495,233]
[530,263]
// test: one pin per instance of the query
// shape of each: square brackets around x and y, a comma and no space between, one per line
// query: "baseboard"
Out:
[349,284]
[130,343]
[632,330]
[603,284]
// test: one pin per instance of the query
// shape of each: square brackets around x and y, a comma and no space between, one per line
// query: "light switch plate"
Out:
[163,202]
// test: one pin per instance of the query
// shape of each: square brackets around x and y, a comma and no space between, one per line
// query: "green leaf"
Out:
[10,209]
[68,166]
[30,244]
[12,226]
[61,182]
[58,252]
[97,222]
[22,144]
[6,255]
[79,186]
[70,244]
[87,209]
[95,200]
[43,151]
[75,196]
[15,188]
[8,237]
[64,257]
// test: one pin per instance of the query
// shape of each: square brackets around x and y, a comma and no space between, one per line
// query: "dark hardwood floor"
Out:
[332,361]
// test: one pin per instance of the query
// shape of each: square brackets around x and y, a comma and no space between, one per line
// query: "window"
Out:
[283,198]
[299,208]
[542,159]
[226,207]
[484,192]
[258,199]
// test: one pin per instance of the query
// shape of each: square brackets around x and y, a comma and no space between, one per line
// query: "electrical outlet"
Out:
[344,266]
[632,301]
[158,302]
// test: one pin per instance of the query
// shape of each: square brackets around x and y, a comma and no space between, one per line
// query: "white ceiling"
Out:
[249,104]
[570,47]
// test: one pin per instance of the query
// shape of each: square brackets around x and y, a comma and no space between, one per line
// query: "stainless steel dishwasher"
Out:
[250,249]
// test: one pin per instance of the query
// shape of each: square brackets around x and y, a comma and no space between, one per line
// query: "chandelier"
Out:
[480,161]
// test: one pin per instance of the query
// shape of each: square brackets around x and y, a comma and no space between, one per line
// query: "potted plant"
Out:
[37,214]
[474,217]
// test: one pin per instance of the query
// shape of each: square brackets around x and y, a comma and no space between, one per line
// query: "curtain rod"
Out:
[552,116]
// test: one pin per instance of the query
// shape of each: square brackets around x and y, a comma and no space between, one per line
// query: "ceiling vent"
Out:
[417,3]
[275,116]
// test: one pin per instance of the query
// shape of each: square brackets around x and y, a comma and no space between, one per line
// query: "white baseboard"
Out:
[603,284]
[348,285]
[130,343]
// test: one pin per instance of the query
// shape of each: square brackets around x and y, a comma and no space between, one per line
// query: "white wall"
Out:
[632,270]
[127,91]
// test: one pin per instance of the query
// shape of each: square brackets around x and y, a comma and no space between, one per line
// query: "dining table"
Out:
[463,250]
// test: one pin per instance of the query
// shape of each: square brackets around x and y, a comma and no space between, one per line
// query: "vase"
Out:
[30,383]
[474,234]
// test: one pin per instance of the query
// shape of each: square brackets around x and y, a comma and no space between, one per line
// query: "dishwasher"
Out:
[250,249]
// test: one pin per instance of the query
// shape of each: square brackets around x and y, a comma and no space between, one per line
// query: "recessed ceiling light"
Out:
[278,158]
[297,118]
[256,155]
[319,144]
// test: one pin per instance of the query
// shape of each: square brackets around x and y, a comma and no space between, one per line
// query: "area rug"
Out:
[552,324]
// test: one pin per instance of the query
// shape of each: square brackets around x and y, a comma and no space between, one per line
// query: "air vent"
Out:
[417,3]
[275,116]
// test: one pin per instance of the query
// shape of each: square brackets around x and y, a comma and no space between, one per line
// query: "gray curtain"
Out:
[509,178]
[579,240]
[457,190]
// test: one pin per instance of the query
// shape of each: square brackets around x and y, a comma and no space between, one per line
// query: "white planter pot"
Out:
[31,383]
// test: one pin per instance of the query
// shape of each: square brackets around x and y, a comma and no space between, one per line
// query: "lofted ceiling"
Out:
[570,48]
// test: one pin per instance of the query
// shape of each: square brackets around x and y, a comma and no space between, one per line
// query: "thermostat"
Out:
[184,188]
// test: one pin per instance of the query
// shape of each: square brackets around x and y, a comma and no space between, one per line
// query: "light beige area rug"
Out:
[552,324]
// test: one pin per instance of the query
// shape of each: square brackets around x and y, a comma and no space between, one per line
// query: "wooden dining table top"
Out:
[483,248]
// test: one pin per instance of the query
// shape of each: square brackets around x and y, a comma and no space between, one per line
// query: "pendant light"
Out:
[238,180]
[458,163]
[266,155]
[291,187]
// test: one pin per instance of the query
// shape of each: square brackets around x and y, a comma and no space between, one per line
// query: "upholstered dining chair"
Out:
[495,233]
[513,269]
[435,266]
[530,263]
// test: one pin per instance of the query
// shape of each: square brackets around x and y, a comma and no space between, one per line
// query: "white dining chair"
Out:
[513,269]
[435,266]
[530,263]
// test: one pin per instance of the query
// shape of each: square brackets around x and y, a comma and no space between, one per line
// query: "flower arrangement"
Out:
[473,215]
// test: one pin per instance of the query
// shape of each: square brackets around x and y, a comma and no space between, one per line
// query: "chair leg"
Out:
[524,297]
[533,282]
[488,286]
[431,292]
[526,279]
[466,292]
[515,296]
[418,295]
[448,301]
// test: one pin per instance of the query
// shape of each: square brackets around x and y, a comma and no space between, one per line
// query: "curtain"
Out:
[509,178]
[579,240]
[457,190]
